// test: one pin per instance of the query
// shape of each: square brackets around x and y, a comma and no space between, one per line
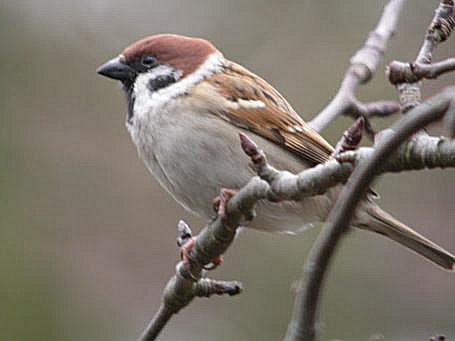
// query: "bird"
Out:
[187,104]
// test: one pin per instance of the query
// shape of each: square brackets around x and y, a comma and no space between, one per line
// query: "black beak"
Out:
[118,70]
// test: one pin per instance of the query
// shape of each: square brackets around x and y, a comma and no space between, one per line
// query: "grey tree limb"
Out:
[363,66]
[400,72]
[421,151]
[303,323]
[439,30]
[302,326]
[275,185]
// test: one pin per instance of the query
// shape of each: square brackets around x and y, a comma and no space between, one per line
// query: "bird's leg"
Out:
[216,203]
[186,241]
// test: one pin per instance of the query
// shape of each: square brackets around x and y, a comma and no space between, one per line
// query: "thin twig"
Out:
[188,281]
[275,185]
[400,72]
[303,323]
[363,66]
[438,31]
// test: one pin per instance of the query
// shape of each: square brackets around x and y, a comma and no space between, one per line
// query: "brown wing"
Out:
[252,104]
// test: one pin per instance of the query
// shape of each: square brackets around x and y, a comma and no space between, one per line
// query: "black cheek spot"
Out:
[161,82]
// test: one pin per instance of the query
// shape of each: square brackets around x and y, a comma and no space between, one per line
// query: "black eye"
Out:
[148,61]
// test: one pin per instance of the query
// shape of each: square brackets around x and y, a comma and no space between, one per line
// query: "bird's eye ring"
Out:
[148,61]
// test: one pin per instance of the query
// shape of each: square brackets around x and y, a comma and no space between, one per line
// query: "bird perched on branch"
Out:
[186,107]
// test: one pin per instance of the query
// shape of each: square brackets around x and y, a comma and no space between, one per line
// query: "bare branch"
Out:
[207,287]
[302,326]
[379,109]
[204,288]
[275,185]
[400,72]
[438,31]
[363,66]
[188,282]
[421,151]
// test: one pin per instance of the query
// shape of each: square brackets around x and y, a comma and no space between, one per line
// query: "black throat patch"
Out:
[153,85]
[129,94]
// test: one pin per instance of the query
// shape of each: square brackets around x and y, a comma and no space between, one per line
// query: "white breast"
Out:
[194,154]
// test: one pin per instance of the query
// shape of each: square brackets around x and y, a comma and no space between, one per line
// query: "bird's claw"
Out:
[186,242]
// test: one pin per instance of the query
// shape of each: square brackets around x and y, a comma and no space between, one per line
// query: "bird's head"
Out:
[168,57]
[157,62]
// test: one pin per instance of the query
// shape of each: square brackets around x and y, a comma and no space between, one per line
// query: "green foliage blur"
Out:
[87,236]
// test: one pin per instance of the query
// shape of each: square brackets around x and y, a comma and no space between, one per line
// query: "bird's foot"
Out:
[219,203]
[186,243]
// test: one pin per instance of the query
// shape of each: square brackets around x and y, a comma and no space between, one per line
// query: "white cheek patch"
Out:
[146,99]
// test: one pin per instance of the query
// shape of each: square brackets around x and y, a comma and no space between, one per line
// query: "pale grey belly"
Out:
[193,157]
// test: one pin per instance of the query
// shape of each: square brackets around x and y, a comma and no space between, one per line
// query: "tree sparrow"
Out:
[186,107]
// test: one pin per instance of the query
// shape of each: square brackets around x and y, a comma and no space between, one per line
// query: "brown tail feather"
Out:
[383,223]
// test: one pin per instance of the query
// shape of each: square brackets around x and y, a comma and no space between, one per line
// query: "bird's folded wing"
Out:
[251,103]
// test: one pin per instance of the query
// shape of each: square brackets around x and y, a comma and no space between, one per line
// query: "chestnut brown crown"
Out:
[181,52]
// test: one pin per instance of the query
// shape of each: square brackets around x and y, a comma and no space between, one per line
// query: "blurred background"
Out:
[88,236]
